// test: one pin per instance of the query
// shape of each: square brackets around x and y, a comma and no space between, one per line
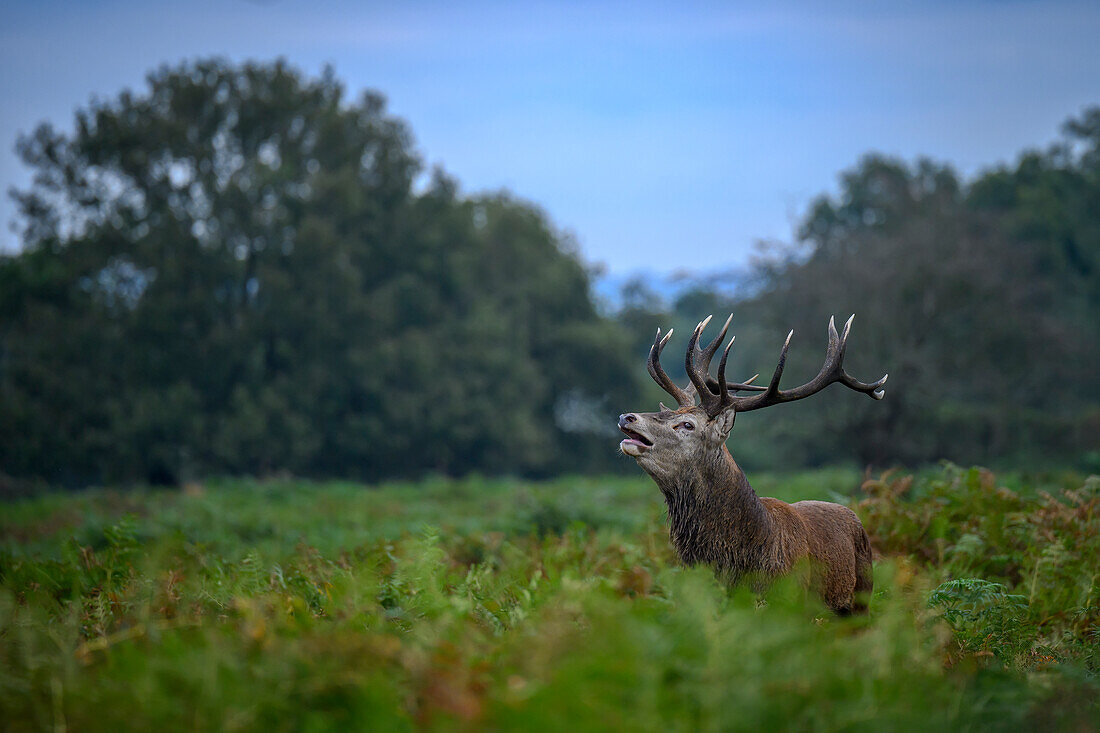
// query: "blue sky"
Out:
[663,136]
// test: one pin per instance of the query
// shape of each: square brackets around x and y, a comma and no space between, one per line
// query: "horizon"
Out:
[706,128]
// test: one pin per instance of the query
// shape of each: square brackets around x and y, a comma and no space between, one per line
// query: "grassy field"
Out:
[503,605]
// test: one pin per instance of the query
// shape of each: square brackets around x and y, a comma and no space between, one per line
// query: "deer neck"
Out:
[715,517]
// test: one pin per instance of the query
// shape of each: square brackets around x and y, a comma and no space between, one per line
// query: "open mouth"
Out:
[634,442]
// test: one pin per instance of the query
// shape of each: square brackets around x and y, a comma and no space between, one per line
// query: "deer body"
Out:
[715,518]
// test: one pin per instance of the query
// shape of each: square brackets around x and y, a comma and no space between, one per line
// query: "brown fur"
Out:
[715,518]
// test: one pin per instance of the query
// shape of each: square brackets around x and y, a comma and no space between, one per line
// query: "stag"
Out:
[715,518]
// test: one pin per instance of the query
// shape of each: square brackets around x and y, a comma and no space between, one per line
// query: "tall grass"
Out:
[497,604]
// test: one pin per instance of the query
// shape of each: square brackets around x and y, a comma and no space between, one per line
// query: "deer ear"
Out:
[723,422]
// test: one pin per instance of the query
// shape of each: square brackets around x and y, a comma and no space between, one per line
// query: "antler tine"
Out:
[746,386]
[872,389]
[847,328]
[703,356]
[707,399]
[659,376]
[834,338]
[714,394]
[724,400]
[831,371]
[773,386]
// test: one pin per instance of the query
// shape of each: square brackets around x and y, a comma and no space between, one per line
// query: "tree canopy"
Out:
[981,298]
[234,271]
[239,270]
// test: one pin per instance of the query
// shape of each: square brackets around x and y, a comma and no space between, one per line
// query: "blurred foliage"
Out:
[1042,542]
[981,299]
[452,605]
[233,272]
[241,271]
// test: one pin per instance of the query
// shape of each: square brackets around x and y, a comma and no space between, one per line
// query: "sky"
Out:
[662,136]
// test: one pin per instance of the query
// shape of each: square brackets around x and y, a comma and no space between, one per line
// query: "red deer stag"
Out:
[715,517]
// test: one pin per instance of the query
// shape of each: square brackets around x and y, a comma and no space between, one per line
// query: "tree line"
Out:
[238,270]
[981,298]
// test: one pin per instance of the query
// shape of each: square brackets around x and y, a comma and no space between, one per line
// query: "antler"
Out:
[697,363]
[831,371]
[658,374]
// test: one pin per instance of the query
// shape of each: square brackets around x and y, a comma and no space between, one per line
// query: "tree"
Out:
[232,272]
[979,298]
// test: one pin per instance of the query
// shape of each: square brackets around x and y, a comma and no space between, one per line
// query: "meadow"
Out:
[497,604]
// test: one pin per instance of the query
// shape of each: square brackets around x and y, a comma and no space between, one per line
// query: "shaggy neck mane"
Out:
[716,518]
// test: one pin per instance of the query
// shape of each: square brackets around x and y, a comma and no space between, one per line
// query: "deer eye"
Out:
[686,426]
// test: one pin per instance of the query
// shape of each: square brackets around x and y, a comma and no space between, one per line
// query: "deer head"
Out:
[669,442]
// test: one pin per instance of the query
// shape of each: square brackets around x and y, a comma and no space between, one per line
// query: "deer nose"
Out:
[627,418]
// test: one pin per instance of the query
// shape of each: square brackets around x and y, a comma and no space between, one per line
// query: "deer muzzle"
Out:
[635,442]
